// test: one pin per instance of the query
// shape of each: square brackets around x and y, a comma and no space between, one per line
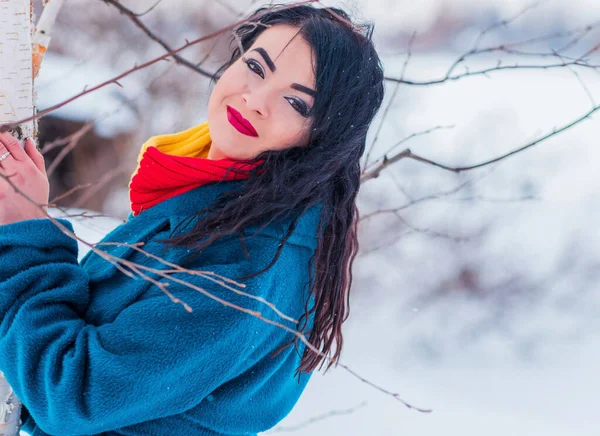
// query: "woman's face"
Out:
[261,101]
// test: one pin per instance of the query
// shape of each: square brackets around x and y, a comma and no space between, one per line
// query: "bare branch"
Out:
[149,10]
[403,140]
[506,22]
[131,269]
[583,85]
[106,178]
[136,20]
[592,50]
[410,155]
[430,232]
[400,187]
[484,72]
[413,202]
[69,192]
[73,141]
[84,214]
[486,199]
[475,50]
[9,126]
[319,418]
[228,7]
[509,48]
[221,280]
[389,242]
[60,142]
[392,99]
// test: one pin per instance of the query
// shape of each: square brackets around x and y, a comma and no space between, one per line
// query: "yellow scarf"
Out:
[169,165]
[193,142]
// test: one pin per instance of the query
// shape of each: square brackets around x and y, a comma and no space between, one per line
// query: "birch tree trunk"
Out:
[16,102]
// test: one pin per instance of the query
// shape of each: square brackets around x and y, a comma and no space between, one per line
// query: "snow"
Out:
[90,228]
[392,15]
[519,359]
[498,334]
[61,78]
[516,354]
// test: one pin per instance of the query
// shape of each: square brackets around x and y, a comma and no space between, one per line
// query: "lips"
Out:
[241,124]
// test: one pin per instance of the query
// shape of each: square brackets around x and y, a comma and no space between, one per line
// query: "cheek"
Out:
[228,84]
[217,94]
[288,131]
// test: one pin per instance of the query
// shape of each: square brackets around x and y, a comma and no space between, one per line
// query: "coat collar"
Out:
[189,203]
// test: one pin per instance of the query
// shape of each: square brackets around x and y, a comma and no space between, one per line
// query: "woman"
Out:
[266,198]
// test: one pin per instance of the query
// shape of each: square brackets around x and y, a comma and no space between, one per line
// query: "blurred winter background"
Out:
[475,294]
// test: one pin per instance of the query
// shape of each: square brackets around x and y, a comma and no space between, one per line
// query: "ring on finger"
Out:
[4,156]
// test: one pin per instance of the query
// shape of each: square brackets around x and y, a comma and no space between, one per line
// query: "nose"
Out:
[257,102]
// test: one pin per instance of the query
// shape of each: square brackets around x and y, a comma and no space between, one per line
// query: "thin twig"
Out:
[149,10]
[407,154]
[403,140]
[106,178]
[583,85]
[228,7]
[10,126]
[319,418]
[136,20]
[221,280]
[74,139]
[508,48]
[67,193]
[506,22]
[130,269]
[60,142]
[489,70]
[392,99]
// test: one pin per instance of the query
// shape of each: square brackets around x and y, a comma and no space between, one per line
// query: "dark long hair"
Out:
[349,81]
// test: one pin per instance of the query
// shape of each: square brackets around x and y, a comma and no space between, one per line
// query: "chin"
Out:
[225,150]
[220,153]
[233,144]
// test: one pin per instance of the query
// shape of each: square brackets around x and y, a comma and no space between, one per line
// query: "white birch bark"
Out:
[16,80]
[16,102]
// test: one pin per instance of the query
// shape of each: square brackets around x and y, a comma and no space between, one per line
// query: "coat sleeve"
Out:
[154,360]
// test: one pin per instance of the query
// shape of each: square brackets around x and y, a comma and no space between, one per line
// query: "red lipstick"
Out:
[241,124]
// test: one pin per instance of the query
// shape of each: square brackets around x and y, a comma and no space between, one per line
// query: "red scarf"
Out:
[169,165]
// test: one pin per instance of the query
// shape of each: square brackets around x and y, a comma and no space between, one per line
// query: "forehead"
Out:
[288,49]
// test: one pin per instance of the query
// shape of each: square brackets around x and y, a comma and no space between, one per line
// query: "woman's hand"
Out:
[26,171]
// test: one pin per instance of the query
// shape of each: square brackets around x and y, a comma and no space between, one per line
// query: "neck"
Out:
[215,153]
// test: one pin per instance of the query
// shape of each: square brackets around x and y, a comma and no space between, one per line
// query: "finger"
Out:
[12,145]
[7,158]
[35,155]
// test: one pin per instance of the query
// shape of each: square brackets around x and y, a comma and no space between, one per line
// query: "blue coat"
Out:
[90,351]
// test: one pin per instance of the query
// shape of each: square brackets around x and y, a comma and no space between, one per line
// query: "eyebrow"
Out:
[272,67]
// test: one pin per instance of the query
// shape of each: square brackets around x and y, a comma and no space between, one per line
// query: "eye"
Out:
[254,67]
[299,106]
